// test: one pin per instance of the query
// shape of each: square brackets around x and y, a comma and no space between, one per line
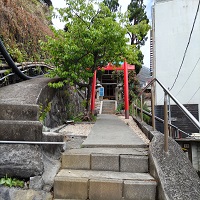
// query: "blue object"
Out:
[101,91]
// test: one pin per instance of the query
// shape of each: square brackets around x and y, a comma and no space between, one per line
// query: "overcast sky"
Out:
[124,3]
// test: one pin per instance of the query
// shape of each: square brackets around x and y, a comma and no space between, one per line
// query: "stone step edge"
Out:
[28,112]
[109,151]
[20,122]
[103,175]
[85,145]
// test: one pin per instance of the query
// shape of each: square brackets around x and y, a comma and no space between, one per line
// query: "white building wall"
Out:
[173,20]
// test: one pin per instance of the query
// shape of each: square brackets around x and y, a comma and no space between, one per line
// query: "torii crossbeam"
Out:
[125,67]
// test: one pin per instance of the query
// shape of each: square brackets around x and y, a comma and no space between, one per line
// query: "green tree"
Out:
[138,28]
[112,5]
[92,38]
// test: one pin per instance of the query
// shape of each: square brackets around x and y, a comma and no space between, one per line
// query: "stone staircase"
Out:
[22,121]
[109,107]
[98,104]
[105,174]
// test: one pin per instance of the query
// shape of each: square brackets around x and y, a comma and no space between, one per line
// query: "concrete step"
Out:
[107,159]
[108,107]
[24,112]
[103,185]
[20,130]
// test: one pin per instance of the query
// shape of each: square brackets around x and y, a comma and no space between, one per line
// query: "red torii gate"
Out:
[125,67]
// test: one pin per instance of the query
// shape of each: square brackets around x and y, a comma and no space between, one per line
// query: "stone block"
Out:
[142,190]
[70,188]
[23,194]
[13,130]
[105,162]
[19,112]
[135,164]
[36,183]
[20,160]
[105,189]
[52,150]
[76,161]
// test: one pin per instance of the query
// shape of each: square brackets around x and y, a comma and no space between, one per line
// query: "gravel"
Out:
[82,129]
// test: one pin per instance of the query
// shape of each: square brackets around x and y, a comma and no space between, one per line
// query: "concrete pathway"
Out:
[110,131]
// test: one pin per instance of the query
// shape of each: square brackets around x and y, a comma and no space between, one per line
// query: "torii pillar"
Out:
[93,92]
[126,92]
[125,67]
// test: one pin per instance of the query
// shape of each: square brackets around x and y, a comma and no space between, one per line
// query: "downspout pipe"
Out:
[11,63]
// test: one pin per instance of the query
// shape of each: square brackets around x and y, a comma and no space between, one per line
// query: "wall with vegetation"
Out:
[23,23]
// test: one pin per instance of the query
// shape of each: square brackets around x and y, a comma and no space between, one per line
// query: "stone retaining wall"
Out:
[177,179]
[41,162]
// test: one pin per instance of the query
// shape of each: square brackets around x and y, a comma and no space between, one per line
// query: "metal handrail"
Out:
[166,122]
[24,67]
[185,111]
[162,121]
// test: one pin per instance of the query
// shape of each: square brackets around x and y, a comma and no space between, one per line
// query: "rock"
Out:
[19,194]
[51,167]
[36,183]
[52,150]
[21,161]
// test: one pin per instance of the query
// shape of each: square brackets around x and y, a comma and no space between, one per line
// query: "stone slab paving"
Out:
[110,131]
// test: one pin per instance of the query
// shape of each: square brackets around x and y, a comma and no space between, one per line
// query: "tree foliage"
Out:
[138,26]
[112,5]
[92,38]
[23,24]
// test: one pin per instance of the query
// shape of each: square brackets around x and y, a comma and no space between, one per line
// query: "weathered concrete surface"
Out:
[18,194]
[78,161]
[37,92]
[20,160]
[103,185]
[107,159]
[119,151]
[107,190]
[19,112]
[105,162]
[20,105]
[140,190]
[177,177]
[110,131]
[71,189]
[52,150]
[51,168]
[135,164]
[26,92]
[12,130]
[104,174]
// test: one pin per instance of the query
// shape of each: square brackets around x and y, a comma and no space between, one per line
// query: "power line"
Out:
[186,46]
[194,94]
[189,76]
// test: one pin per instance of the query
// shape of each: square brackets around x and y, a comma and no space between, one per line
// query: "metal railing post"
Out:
[132,108]
[153,106]
[166,131]
[136,110]
[141,108]
[169,116]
